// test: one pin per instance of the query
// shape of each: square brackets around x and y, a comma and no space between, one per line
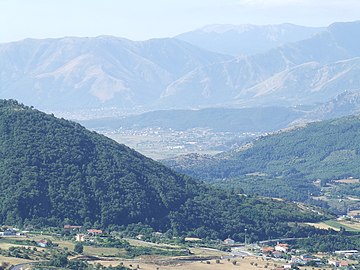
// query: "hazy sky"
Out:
[144,19]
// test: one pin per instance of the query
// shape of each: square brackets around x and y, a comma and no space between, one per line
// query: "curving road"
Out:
[21,266]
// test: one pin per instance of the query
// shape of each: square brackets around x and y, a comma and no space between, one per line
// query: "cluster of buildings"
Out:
[180,142]
[277,251]
[84,235]
[282,250]
[10,232]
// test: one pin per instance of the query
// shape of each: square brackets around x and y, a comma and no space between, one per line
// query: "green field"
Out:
[339,224]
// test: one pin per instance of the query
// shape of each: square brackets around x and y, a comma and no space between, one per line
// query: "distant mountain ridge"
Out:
[95,72]
[242,81]
[244,40]
[86,73]
[309,83]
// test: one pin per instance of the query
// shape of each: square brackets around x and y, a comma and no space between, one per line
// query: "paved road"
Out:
[240,253]
[281,240]
[21,266]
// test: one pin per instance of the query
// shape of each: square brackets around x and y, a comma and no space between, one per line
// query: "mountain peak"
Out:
[222,28]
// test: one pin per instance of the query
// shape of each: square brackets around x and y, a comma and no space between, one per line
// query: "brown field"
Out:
[323,226]
[91,250]
[13,260]
[207,252]
[102,251]
[64,244]
[247,263]
[174,264]
[140,243]
[348,181]
[354,212]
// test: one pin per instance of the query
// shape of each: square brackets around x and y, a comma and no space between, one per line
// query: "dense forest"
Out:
[55,172]
[285,162]
[329,243]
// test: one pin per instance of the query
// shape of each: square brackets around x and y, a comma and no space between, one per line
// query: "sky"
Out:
[145,19]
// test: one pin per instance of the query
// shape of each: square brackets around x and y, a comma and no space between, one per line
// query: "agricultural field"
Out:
[243,263]
[351,226]
[144,255]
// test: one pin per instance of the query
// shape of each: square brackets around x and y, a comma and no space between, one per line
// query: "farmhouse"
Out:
[229,241]
[42,243]
[282,247]
[72,228]
[82,237]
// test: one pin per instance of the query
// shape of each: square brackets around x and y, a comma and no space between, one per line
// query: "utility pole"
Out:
[245,235]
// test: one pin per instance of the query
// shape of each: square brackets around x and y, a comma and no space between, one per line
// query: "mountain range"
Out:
[275,77]
[76,73]
[244,40]
[83,73]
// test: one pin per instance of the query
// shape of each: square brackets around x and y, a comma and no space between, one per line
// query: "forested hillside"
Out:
[54,172]
[284,163]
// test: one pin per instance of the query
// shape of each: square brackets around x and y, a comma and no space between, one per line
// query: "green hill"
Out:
[285,164]
[54,172]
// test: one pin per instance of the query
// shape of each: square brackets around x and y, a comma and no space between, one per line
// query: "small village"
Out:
[267,254]
[174,142]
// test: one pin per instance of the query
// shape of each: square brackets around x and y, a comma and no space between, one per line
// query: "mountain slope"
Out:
[55,168]
[308,83]
[221,83]
[286,162]
[241,40]
[53,172]
[346,103]
[71,73]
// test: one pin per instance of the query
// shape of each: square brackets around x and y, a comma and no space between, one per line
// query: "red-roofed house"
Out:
[282,247]
[71,227]
[266,250]
[42,243]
